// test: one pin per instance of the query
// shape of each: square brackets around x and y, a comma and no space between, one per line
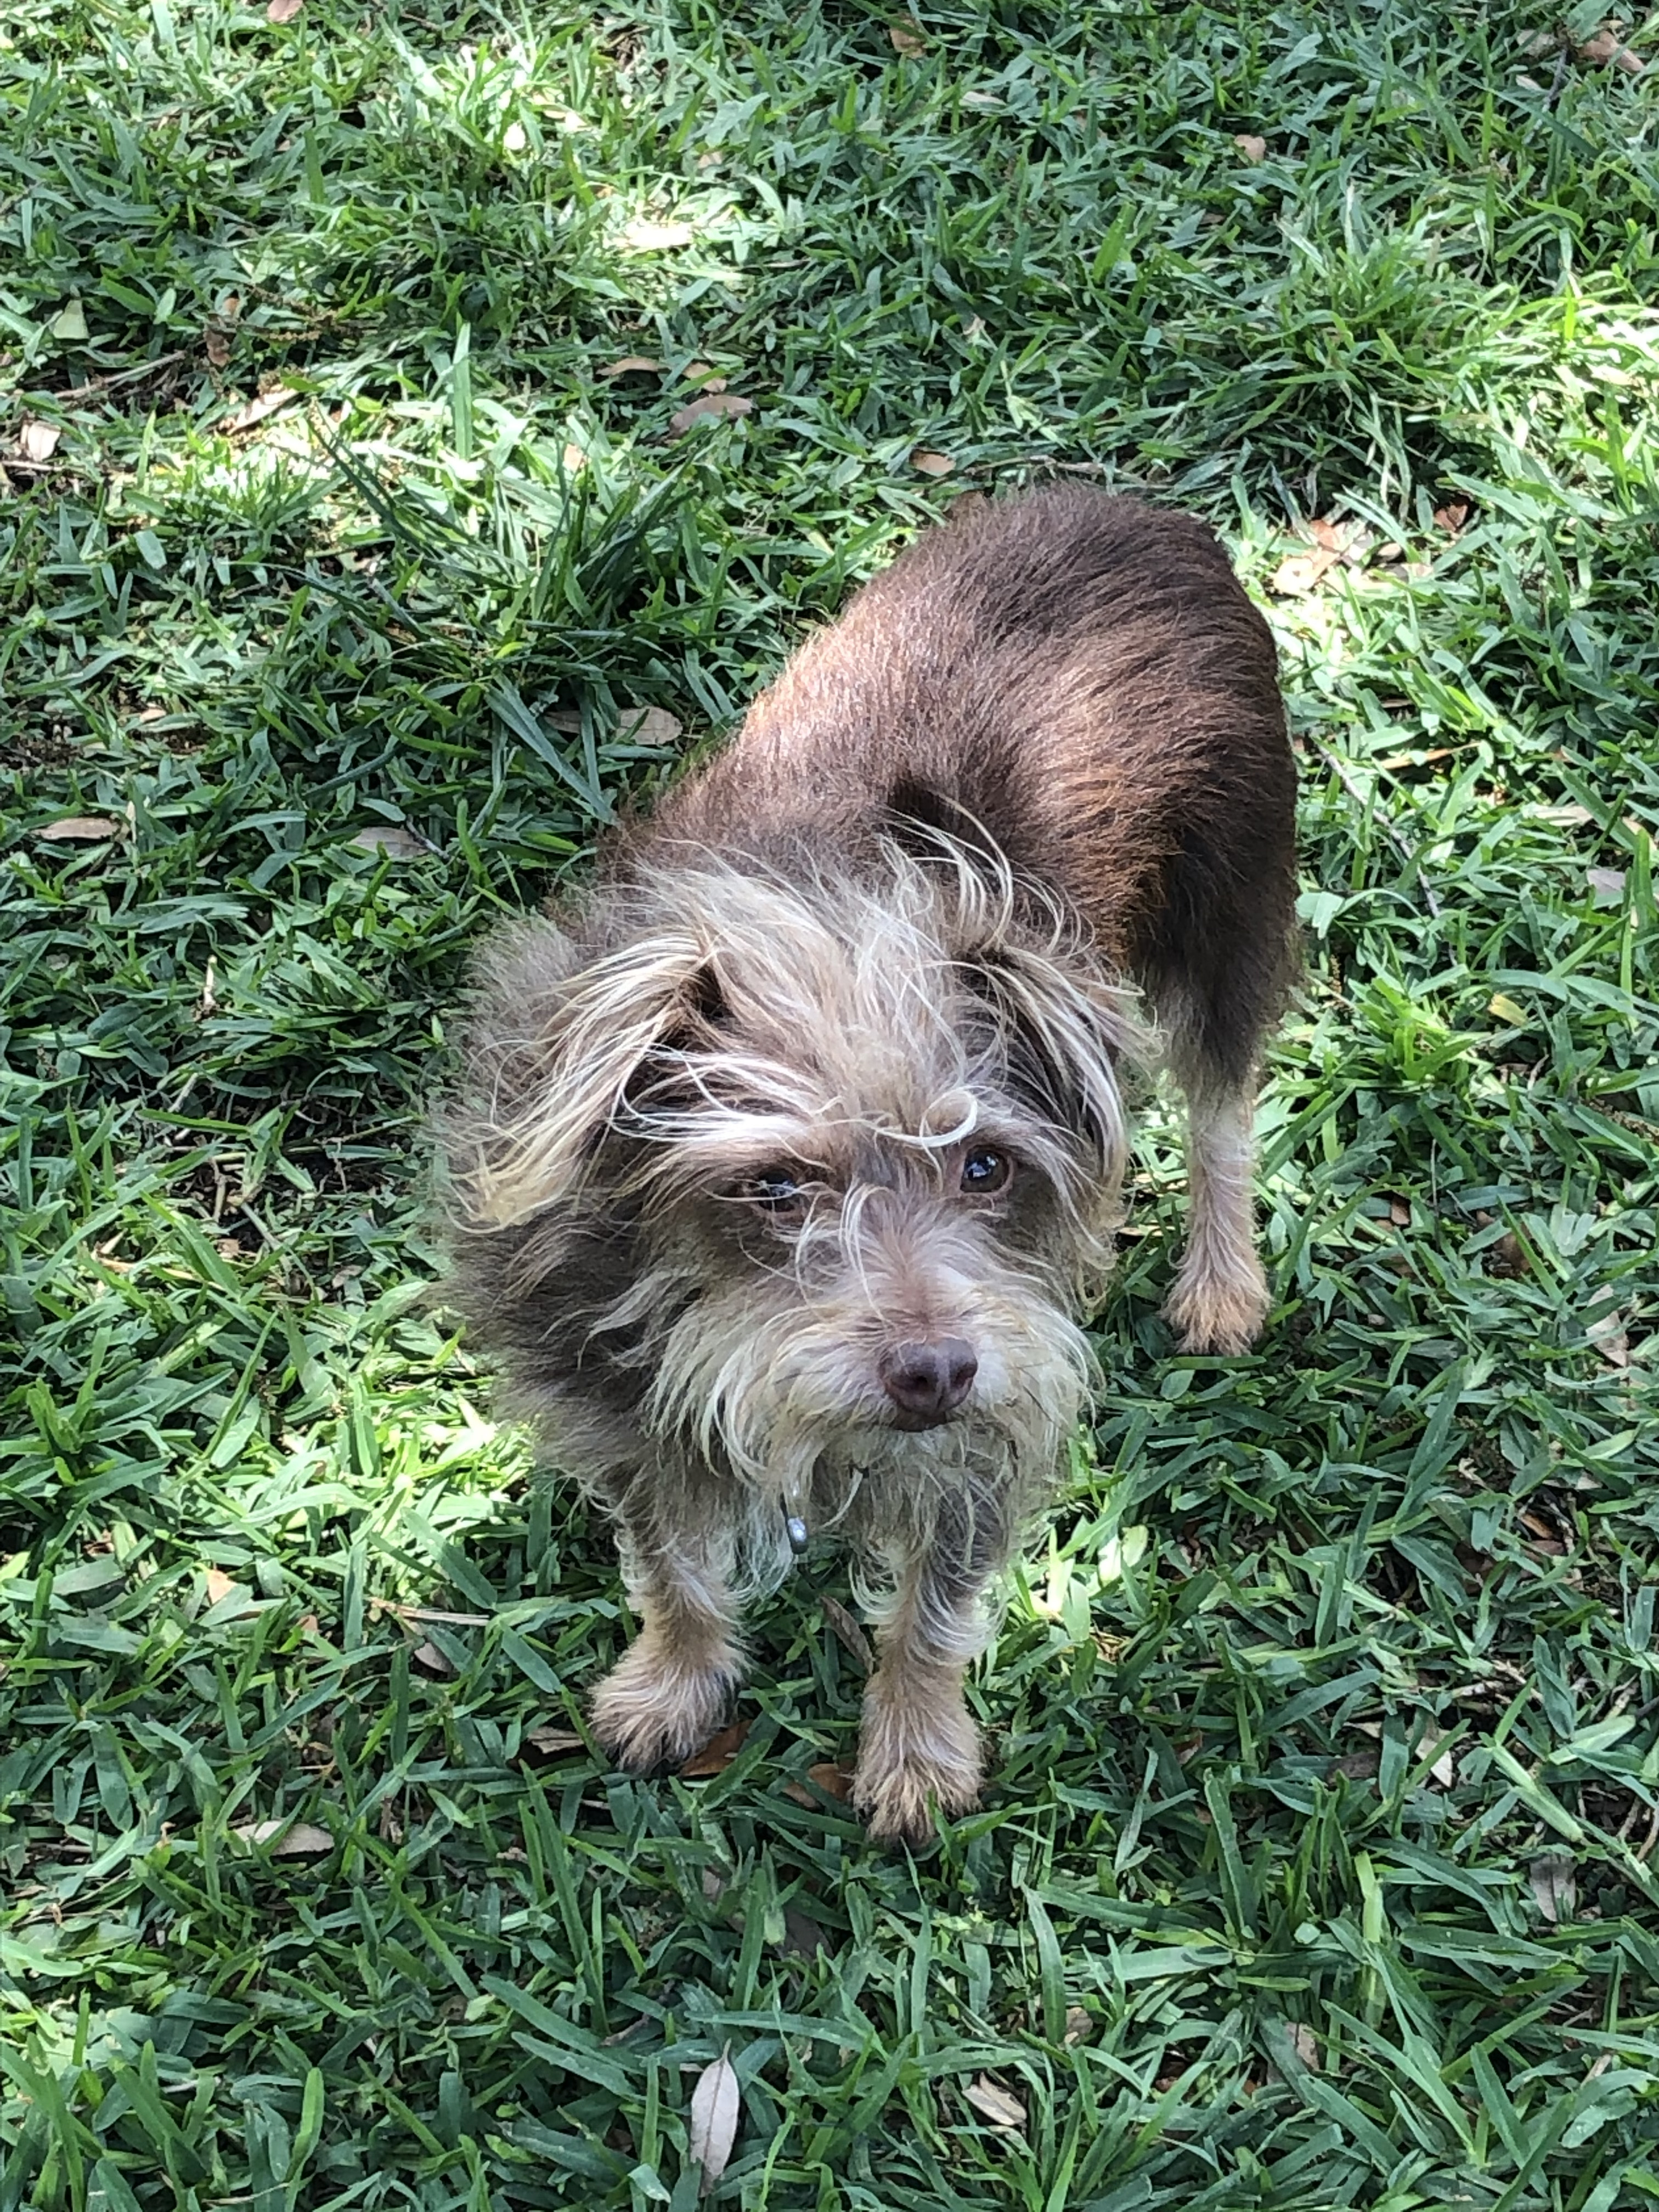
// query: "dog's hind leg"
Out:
[670,1690]
[918,1746]
[1219,1298]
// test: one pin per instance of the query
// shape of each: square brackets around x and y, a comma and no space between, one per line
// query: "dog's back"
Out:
[1081,678]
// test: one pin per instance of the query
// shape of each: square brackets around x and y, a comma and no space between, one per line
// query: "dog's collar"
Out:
[794,1517]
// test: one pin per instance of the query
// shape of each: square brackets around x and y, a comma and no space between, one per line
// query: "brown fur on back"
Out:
[1081,676]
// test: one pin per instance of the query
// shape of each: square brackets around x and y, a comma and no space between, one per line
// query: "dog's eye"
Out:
[986,1170]
[775,1188]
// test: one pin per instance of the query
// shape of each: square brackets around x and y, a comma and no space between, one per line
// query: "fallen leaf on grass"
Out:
[716,2103]
[1252,147]
[707,403]
[1607,886]
[834,1781]
[79,830]
[70,324]
[1443,1770]
[37,441]
[252,411]
[429,1656]
[1452,516]
[1002,2109]
[1609,46]
[1305,2044]
[295,1839]
[1606,1334]
[1554,1885]
[906,38]
[847,1631]
[632,364]
[391,838]
[1298,573]
[1507,1257]
[1506,1009]
[220,1586]
[218,347]
[931,463]
[550,1742]
[717,1754]
[283,11]
[646,726]
[1079,2025]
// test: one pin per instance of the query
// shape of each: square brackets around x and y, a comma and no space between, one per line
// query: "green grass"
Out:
[1318,1868]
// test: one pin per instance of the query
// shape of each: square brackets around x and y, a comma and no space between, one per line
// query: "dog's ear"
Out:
[1059,1035]
[558,1046]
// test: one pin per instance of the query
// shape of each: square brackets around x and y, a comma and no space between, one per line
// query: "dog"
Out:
[787,1155]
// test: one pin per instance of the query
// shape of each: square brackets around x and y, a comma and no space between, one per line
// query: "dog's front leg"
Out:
[917,1746]
[669,1691]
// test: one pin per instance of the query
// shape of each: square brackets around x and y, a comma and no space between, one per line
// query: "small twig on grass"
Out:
[117,376]
[1389,830]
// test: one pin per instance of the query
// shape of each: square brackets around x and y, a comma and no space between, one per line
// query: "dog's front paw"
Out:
[917,1750]
[653,1710]
[1216,1310]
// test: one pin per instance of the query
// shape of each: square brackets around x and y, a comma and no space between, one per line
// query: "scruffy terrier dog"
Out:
[787,1152]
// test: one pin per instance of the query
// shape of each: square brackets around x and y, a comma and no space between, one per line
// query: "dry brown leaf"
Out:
[392,838]
[37,441]
[716,2103]
[1554,1885]
[1609,46]
[1000,2106]
[1252,147]
[707,403]
[550,1742]
[252,411]
[931,463]
[288,1839]
[647,725]
[906,38]
[1298,573]
[1305,2044]
[1332,535]
[717,1754]
[1442,1768]
[220,1585]
[1606,1334]
[847,1631]
[1508,1256]
[1607,886]
[1452,516]
[79,830]
[801,1933]
[1079,2024]
[218,347]
[429,1656]
[1399,1214]
[633,364]
[283,11]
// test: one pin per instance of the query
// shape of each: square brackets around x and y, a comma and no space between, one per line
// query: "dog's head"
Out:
[862,1130]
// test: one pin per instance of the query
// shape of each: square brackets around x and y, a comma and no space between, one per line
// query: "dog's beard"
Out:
[785,1394]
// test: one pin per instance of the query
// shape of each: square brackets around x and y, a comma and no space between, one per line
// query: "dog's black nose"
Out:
[927,1381]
